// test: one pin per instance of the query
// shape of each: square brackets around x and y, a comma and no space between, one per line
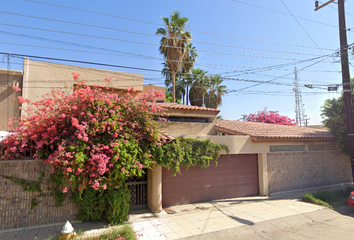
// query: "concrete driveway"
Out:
[245,218]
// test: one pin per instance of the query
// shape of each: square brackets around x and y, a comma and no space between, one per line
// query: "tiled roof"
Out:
[266,130]
[165,136]
[185,107]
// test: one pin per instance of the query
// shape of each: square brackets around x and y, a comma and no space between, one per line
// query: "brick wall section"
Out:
[297,170]
[15,204]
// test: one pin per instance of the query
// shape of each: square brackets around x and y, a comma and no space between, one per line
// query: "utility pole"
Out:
[347,98]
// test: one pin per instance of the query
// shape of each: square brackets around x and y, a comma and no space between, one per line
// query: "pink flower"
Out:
[65,190]
[104,186]
[69,169]
[123,170]
[63,115]
[75,75]
[21,99]
[16,88]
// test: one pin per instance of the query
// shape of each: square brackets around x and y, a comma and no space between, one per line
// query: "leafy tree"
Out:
[169,96]
[215,91]
[272,117]
[333,119]
[173,44]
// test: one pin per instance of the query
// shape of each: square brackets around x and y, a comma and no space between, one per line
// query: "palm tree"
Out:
[198,89]
[174,43]
[180,85]
[187,64]
[215,91]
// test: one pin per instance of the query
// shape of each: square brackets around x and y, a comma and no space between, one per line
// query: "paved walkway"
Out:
[189,220]
[195,219]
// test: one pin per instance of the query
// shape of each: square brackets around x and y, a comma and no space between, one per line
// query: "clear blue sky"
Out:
[230,37]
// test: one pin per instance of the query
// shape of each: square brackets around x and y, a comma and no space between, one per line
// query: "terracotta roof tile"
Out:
[165,136]
[266,130]
[185,107]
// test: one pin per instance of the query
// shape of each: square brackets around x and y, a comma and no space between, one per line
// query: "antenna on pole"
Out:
[299,107]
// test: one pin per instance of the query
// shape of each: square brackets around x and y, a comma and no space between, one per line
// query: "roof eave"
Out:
[291,139]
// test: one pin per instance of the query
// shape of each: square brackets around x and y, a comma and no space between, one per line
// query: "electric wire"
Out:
[134,68]
[276,77]
[194,30]
[272,10]
[124,40]
[305,31]
[349,14]
[215,52]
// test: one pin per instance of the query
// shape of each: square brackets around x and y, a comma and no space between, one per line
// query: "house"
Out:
[264,159]
[38,78]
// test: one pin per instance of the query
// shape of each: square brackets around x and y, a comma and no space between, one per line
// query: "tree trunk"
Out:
[187,96]
[173,87]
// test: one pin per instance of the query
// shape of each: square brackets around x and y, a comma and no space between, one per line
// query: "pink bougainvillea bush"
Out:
[93,140]
[272,117]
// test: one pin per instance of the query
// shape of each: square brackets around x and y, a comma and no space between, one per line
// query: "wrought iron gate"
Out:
[138,192]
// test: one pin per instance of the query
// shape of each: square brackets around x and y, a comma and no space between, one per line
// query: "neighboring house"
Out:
[38,78]
[8,106]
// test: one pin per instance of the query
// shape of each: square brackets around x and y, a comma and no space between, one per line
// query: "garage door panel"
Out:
[235,176]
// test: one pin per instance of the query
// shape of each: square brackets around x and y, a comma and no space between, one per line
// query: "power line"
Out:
[275,66]
[272,10]
[145,57]
[127,67]
[89,11]
[124,40]
[349,14]
[161,79]
[215,52]
[78,61]
[131,19]
[305,31]
[276,77]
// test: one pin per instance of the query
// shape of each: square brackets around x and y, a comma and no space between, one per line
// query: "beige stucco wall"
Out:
[182,128]
[40,77]
[9,107]
[240,144]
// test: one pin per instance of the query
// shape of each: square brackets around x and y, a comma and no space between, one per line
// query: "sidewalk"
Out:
[189,220]
[195,219]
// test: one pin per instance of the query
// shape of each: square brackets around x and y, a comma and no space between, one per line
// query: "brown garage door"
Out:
[235,176]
